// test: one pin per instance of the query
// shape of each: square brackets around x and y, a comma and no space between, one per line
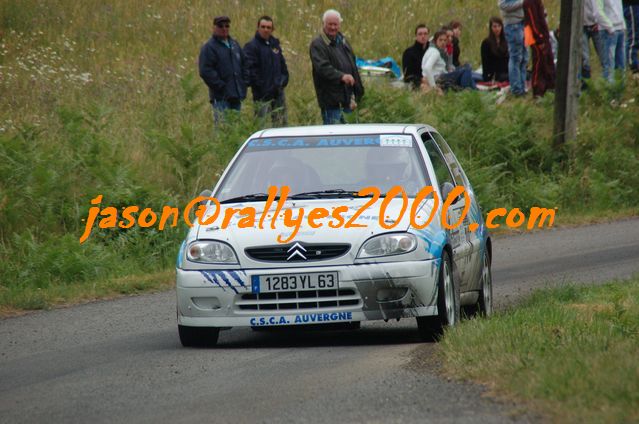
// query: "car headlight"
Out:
[209,251]
[387,245]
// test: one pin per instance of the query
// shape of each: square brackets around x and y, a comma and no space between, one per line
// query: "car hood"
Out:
[366,224]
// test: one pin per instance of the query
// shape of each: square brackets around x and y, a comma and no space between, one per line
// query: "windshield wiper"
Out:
[337,192]
[255,197]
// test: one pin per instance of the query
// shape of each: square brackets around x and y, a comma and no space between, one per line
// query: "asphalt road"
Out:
[121,361]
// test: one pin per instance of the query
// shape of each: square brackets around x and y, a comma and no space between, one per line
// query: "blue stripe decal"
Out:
[211,278]
[238,278]
[228,283]
[255,283]
[216,277]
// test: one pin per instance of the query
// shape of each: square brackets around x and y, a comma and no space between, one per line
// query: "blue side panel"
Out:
[435,240]
[178,261]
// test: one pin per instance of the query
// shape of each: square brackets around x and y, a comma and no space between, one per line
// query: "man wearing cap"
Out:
[268,74]
[338,85]
[222,67]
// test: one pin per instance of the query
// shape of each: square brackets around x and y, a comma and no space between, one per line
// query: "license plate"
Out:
[294,282]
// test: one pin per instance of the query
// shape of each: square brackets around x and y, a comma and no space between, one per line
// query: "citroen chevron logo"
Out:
[297,250]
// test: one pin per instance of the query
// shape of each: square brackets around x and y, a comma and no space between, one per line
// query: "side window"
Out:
[441,169]
[450,159]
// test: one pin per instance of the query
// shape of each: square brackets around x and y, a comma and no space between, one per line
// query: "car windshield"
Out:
[325,166]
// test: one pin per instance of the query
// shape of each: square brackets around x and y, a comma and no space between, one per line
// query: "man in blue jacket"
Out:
[268,74]
[222,67]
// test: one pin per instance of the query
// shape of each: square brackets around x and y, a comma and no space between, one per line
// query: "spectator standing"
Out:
[338,85]
[543,76]
[434,67]
[412,57]
[494,53]
[456,26]
[631,13]
[222,67]
[268,74]
[591,32]
[513,14]
[614,35]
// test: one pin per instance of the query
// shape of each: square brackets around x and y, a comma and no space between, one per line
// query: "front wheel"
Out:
[198,336]
[448,303]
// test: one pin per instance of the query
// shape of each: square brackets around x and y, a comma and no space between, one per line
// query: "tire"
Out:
[198,336]
[484,305]
[485,302]
[448,304]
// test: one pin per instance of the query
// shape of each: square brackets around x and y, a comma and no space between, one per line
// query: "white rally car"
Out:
[321,253]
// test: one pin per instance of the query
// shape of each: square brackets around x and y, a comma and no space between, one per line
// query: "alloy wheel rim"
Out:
[449,296]
[487,286]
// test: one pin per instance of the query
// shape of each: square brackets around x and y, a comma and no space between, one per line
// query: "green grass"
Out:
[570,351]
[105,99]
[15,300]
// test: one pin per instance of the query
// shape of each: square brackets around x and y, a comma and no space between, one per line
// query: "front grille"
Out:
[306,252]
[297,300]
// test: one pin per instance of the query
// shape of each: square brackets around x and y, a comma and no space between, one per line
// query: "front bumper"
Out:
[372,291]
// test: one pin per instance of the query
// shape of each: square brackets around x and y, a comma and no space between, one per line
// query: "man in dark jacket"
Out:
[268,74]
[412,57]
[222,67]
[337,82]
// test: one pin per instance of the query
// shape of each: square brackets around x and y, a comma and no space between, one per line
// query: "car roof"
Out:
[350,129]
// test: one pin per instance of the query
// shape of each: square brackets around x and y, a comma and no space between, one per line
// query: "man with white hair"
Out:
[337,82]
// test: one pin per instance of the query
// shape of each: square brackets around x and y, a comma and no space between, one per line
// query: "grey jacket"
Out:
[590,13]
[512,11]
[611,14]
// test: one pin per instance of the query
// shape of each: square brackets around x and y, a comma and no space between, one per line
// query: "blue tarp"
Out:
[386,62]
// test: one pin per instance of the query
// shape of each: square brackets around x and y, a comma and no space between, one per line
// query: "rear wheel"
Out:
[198,336]
[448,303]
[485,302]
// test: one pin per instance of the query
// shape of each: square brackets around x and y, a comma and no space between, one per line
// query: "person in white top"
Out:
[614,35]
[434,67]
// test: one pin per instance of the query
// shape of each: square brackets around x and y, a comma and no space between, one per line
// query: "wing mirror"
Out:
[205,193]
[445,190]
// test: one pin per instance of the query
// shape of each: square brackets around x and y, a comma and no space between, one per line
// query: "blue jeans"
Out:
[589,34]
[461,77]
[334,115]
[631,13]
[221,106]
[518,58]
[615,52]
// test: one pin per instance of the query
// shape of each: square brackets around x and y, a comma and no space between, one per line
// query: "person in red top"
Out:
[543,76]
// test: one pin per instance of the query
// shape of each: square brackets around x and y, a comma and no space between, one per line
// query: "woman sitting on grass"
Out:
[434,68]
[494,53]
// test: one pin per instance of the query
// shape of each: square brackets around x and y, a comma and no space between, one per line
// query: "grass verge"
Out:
[17,301]
[570,351]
